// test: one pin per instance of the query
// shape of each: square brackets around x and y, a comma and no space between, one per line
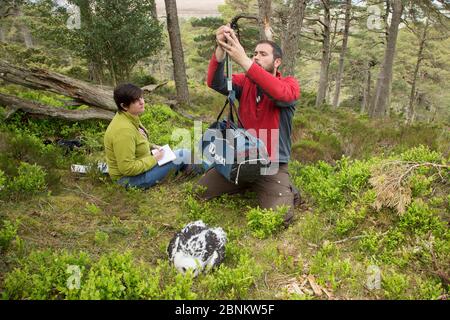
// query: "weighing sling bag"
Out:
[235,153]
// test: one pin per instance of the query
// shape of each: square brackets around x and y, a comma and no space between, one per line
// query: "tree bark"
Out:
[41,79]
[179,68]
[265,13]
[96,65]
[420,57]
[380,101]
[291,36]
[367,88]
[26,34]
[343,53]
[16,103]
[154,12]
[325,62]
[2,34]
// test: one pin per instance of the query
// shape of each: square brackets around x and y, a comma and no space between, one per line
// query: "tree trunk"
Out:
[386,16]
[2,34]
[16,103]
[343,52]
[412,96]
[96,64]
[380,101]
[154,12]
[325,63]
[265,13]
[41,79]
[367,88]
[292,35]
[179,68]
[27,38]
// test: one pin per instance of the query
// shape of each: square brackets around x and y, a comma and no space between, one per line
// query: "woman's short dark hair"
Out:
[126,94]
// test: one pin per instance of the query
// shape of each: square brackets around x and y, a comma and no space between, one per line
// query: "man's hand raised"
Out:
[220,36]
[234,49]
[220,33]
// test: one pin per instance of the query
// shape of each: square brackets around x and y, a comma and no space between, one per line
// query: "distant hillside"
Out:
[192,8]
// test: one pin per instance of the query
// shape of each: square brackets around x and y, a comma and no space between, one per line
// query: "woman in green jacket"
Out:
[127,147]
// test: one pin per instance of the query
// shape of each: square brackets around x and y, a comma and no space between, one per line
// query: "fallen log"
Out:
[82,92]
[41,79]
[15,103]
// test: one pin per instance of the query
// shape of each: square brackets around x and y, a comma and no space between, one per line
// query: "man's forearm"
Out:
[220,54]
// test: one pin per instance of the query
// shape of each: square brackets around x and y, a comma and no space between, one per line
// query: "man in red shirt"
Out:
[266,106]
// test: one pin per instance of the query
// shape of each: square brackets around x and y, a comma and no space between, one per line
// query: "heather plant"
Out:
[265,222]
[29,180]
[8,232]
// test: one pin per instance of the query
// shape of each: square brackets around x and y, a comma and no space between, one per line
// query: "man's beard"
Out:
[270,69]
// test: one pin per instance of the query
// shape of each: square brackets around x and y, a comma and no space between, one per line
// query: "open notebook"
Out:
[169,155]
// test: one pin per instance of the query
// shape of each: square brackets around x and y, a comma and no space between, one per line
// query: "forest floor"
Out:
[338,247]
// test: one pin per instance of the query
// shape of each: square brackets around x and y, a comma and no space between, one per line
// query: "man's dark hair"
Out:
[126,94]
[277,52]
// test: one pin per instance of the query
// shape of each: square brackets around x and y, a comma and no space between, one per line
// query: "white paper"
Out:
[169,155]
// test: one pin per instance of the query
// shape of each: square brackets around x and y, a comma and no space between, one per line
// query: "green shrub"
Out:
[231,283]
[101,238]
[43,275]
[265,222]
[352,175]
[198,210]
[115,277]
[160,121]
[93,209]
[320,181]
[17,147]
[421,154]
[429,289]
[312,228]
[30,179]
[349,219]
[7,233]
[329,266]
[142,79]
[395,286]
[330,144]
[419,219]
[2,180]
[308,151]
[179,287]
[22,146]
[370,243]
[50,275]
[307,99]
[420,185]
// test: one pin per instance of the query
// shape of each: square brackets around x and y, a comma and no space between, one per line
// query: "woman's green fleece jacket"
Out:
[127,150]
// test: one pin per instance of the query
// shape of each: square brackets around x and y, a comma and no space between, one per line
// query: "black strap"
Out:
[220,114]
[233,107]
[230,101]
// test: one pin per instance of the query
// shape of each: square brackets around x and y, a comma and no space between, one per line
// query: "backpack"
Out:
[236,154]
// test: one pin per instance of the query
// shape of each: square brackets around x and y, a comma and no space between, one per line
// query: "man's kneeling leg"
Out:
[212,184]
[275,191]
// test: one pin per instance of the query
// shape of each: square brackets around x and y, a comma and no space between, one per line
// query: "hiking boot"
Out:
[297,199]
[288,218]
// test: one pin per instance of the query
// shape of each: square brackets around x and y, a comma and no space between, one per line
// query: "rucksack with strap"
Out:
[235,153]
